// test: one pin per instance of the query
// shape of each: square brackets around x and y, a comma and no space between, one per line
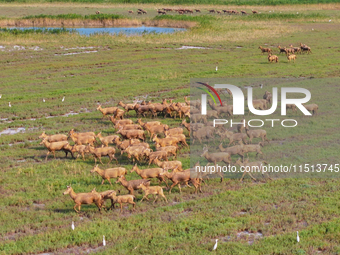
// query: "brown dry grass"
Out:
[46,22]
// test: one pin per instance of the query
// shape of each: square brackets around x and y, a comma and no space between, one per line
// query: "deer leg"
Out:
[195,186]
[251,176]
[47,155]
[156,197]
[143,198]
[266,139]
[164,197]
[219,173]
[75,208]
[187,184]
[179,186]
[165,183]
[173,185]
[260,153]
[110,159]
[244,173]
[266,174]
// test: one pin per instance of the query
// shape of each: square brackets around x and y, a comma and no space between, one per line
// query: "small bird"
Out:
[104,242]
[44,100]
[216,68]
[330,20]
[261,86]
[215,246]
[63,99]
[9,104]
[297,237]
[72,226]
[312,29]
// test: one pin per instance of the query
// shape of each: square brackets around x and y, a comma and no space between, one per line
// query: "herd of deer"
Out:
[288,51]
[164,11]
[130,139]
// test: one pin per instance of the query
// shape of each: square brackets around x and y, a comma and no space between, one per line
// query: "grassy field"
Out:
[181,2]
[247,218]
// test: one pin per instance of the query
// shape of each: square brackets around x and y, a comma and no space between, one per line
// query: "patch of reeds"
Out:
[101,20]
[76,16]
[17,31]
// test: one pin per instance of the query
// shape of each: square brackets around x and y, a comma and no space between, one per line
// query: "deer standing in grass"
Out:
[84,198]
[216,157]
[152,190]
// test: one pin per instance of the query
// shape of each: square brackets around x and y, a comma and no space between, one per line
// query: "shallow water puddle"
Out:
[12,131]
[74,53]
[70,114]
[191,47]
[64,115]
[77,48]
[5,120]
[18,47]
[129,31]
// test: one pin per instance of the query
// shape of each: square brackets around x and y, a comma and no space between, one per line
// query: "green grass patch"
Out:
[16,31]
[285,16]
[36,217]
